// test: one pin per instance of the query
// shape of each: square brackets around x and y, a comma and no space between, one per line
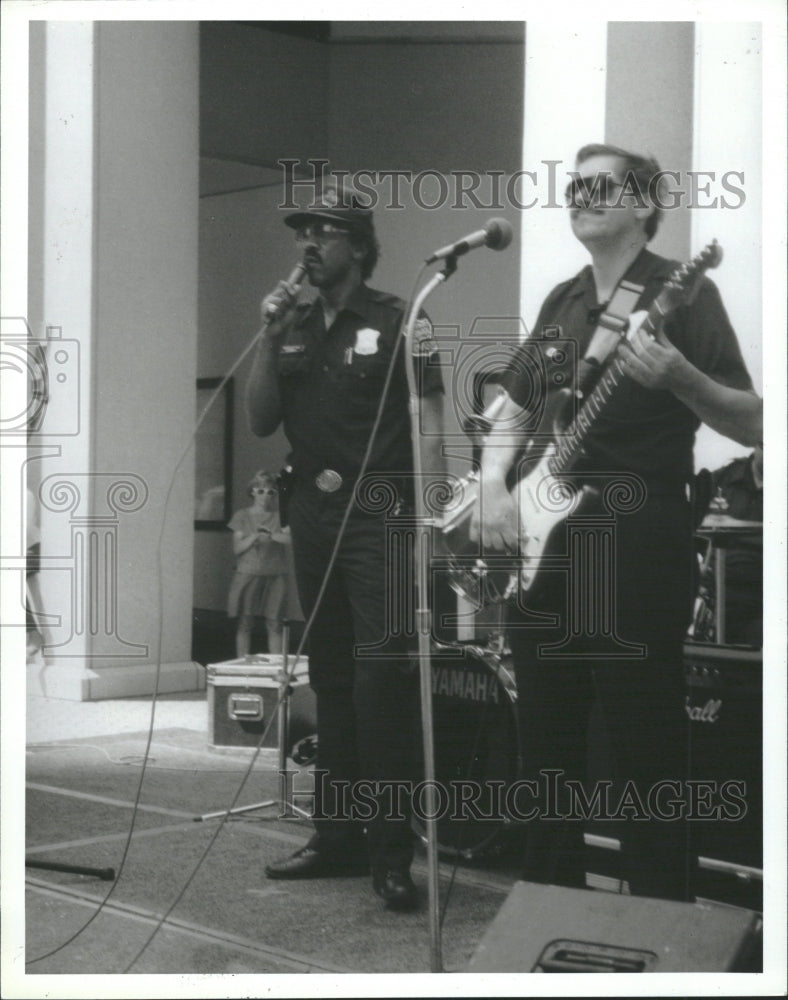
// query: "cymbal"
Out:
[722,524]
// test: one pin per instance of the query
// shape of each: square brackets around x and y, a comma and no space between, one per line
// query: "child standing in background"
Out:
[259,587]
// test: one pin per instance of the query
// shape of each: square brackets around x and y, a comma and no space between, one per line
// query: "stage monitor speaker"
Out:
[545,928]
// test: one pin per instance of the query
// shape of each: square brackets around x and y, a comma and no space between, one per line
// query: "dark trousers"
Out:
[641,695]
[367,698]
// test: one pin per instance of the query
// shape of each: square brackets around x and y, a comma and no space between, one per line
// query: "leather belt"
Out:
[328,481]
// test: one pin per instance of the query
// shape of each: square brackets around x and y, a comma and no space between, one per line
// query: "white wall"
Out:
[649,107]
[63,286]
[728,137]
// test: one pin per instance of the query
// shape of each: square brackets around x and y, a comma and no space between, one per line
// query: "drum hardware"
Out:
[702,627]
[718,532]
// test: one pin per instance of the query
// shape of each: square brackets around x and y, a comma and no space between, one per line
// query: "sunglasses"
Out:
[260,489]
[584,191]
[320,231]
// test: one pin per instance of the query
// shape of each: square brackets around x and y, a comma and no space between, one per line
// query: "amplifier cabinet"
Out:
[723,705]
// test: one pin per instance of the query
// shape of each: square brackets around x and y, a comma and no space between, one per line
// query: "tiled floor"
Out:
[56,719]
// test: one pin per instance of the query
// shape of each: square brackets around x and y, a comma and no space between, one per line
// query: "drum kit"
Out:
[474,692]
[477,747]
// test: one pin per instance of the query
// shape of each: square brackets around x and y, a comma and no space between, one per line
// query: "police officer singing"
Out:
[322,371]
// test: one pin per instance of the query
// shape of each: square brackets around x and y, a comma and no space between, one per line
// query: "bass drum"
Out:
[477,748]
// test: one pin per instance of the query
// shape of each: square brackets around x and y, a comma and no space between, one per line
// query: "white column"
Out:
[68,289]
[14,406]
[120,179]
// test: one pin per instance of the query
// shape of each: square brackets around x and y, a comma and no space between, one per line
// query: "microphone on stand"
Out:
[294,279]
[497,235]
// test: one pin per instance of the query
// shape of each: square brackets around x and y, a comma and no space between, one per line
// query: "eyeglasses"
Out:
[260,489]
[584,191]
[320,231]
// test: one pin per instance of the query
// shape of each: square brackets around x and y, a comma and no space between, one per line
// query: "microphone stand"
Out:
[423,617]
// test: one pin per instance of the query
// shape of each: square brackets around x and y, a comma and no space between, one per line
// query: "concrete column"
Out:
[120,169]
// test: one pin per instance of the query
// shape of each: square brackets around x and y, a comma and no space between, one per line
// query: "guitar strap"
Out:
[613,322]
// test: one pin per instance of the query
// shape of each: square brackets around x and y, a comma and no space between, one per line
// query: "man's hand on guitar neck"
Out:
[656,364]
[650,359]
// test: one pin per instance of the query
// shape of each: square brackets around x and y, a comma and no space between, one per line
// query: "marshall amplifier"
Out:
[723,703]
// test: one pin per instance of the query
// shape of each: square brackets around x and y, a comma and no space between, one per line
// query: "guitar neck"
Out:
[678,288]
[570,443]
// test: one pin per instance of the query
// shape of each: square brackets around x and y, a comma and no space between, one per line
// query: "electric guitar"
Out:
[544,498]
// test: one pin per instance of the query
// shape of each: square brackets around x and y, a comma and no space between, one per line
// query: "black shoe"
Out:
[396,889]
[310,862]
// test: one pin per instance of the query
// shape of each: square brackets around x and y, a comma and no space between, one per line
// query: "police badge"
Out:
[366,341]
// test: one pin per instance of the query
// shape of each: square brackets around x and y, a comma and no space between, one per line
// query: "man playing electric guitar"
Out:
[603,617]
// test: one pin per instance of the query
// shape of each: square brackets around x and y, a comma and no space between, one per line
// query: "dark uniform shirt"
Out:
[331,383]
[646,431]
[736,483]
[744,553]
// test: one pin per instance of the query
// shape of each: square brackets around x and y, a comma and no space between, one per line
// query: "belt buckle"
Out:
[328,481]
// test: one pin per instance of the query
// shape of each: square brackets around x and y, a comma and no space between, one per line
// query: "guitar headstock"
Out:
[683,283]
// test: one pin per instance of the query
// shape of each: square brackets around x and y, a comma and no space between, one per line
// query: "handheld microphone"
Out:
[294,279]
[497,235]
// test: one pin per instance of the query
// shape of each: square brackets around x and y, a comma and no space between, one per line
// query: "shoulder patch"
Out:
[424,337]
